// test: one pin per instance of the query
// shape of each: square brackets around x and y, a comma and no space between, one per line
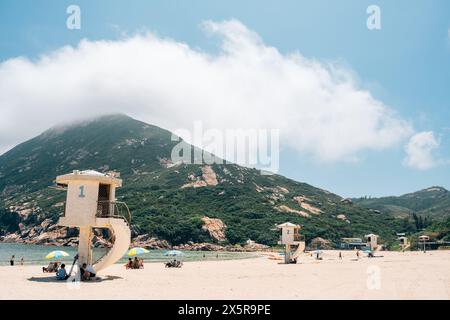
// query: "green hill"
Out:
[169,200]
[433,202]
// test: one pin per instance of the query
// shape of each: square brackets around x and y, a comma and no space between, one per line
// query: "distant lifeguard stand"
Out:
[423,239]
[91,203]
[403,240]
[372,241]
[290,236]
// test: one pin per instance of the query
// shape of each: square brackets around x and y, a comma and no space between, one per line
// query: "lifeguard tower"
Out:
[91,203]
[403,240]
[372,241]
[290,236]
[423,239]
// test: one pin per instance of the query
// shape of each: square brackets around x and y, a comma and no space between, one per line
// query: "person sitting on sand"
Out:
[129,264]
[52,267]
[87,272]
[62,274]
[136,263]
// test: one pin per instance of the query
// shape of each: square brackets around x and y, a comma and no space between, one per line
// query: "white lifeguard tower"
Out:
[290,236]
[423,239]
[91,203]
[403,240]
[372,241]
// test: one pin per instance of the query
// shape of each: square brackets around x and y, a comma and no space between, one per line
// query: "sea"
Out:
[35,254]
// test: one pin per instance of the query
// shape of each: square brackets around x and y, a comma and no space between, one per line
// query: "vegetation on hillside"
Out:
[250,204]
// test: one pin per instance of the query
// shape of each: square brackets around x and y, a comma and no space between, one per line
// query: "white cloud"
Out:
[318,107]
[419,151]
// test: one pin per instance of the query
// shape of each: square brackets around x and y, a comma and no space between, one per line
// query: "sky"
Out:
[360,112]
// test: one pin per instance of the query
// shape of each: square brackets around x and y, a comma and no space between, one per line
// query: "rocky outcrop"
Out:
[253,246]
[320,243]
[149,242]
[215,228]
[301,201]
[342,217]
[191,246]
[208,178]
[199,247]
[166,163]
[284,208]
[195,184]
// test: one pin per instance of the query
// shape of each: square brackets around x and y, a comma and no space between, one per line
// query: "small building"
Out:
[351,243]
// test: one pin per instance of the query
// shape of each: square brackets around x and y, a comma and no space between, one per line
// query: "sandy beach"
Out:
[396,275]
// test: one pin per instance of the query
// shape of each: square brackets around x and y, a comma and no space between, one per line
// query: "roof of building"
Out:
[287,224]
[109,177]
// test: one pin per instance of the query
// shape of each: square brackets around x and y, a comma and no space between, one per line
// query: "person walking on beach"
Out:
[22,261]
[340,255]
[357,254]
[11,262]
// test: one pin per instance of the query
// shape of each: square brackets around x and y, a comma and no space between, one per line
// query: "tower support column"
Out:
[85,246]
[287,254]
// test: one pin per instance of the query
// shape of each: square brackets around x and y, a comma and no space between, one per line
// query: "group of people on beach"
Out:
[135,263]
[87,272]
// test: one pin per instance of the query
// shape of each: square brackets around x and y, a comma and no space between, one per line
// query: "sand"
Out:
[409,275]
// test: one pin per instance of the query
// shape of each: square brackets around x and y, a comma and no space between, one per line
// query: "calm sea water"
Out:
[35,254]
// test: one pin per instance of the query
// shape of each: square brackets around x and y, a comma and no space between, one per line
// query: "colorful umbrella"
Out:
[56,254]
[173,253]
[137,250]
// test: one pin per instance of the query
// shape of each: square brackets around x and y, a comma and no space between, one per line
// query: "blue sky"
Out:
[406,64]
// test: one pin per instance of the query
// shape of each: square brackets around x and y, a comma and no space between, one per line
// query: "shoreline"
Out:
[395,275]
[34,255]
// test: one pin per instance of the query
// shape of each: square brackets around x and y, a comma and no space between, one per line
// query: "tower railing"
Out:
[297,237]
[113,209]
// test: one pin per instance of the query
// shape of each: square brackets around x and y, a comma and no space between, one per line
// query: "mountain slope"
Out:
[432,202]
[169,201]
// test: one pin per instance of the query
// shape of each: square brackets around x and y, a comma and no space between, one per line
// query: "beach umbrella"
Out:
[318,251]
[173,253]
[56,254]
[137,250]
[367,251]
